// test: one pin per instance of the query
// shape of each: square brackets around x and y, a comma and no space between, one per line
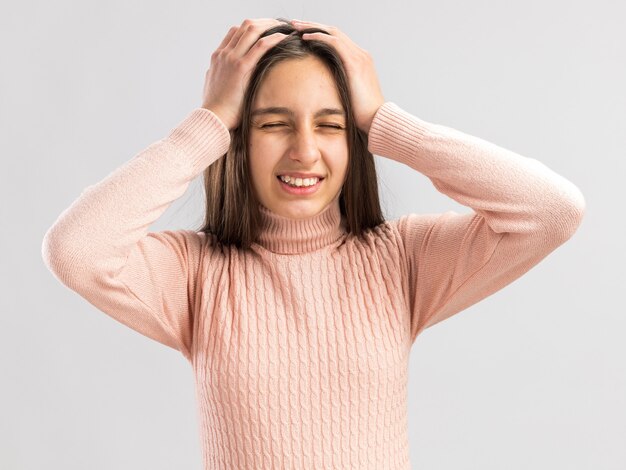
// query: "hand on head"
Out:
[365,91]
[232,62]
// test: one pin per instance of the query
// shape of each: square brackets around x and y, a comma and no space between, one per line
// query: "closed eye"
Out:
[322,125]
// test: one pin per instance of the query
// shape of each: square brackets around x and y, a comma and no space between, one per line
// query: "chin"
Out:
[296,210]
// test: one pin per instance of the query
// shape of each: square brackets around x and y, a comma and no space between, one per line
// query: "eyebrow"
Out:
[290,113]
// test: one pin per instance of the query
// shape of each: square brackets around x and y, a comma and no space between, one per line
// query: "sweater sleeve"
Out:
[100,246]
[521,211]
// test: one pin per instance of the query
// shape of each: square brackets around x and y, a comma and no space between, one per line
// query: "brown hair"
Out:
[232,212]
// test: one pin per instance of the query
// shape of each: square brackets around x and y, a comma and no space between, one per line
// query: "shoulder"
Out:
[198,247]
[382,238]
[396,229]
[401,233]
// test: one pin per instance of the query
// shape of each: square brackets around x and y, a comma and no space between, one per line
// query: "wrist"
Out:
[221,115]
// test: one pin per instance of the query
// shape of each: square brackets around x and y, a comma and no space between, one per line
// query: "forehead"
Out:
[298,84]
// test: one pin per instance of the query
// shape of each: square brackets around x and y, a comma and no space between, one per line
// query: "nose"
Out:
[304,147]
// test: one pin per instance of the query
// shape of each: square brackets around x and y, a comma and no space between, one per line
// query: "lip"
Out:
[303,191]
[301,175]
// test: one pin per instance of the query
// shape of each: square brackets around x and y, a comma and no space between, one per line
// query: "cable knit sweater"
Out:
[300,345]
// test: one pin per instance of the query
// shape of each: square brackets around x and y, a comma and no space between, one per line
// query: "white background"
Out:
[532,377]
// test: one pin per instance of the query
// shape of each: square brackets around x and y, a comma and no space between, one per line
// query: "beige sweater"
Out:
[300,345]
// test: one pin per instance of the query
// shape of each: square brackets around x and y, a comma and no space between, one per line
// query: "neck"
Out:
[286,235]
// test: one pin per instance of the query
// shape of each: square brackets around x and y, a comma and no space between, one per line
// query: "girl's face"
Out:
[306,135]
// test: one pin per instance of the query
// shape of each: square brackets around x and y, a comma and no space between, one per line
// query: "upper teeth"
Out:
[299,181]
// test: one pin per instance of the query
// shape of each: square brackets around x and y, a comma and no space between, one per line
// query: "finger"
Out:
[249,33]
[332,31]
[340,44]
[262,45]
[320,37]
[336,38]
[311,24]
[248,24]
[228,37]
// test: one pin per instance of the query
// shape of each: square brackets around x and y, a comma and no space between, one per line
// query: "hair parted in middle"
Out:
[232,212]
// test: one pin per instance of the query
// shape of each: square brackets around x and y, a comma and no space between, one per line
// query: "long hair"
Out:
[232,212]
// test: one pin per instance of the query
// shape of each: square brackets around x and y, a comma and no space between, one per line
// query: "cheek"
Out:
[340,162]
[260,167]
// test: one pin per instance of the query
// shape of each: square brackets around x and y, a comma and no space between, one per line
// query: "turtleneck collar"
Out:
[285,235]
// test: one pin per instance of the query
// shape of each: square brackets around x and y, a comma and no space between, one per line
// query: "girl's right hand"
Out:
[231,63]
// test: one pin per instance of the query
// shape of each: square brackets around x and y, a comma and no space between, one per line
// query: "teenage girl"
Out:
[296,303]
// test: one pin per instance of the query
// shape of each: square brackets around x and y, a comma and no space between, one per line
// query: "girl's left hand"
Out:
[365,90]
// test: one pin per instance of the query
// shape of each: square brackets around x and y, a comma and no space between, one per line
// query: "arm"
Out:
[522,211]
[100,246]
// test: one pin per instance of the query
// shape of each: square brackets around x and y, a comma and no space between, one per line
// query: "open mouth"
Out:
[300,189]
